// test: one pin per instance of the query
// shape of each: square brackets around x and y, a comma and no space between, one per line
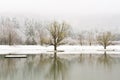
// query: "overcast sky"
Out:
[74,7]
[77,12]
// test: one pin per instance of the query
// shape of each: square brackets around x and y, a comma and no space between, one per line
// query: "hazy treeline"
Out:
[27,31]
[34,32]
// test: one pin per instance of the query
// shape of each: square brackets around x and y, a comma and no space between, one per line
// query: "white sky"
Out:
[60,7]
[68,10]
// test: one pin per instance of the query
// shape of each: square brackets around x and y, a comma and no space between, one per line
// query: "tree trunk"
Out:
[81,43]
[105,50]
[90,43]
[9,39]
[105,54]
[55,50]
[104,46]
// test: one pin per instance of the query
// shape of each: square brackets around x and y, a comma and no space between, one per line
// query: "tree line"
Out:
[34,32]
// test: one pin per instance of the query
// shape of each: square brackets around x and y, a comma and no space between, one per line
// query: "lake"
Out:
[64,67]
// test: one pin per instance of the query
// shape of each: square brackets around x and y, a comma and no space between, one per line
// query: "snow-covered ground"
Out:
[68,49]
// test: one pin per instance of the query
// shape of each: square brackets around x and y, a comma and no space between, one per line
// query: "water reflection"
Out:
[106,60]
[91,59]
[49,67]
[58,69]
[85,58]
[35,67]
[81,58]
[10,67]
[28,70]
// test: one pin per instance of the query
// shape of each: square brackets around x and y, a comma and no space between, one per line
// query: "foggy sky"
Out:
[81,14]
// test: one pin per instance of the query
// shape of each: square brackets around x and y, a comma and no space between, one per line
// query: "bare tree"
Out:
[35,32]
[58,32]
[81,38]
[41,33]
[105,39]
[90,38]
[30,32]
[9,30]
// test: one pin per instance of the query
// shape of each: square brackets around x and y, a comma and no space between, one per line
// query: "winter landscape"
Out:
[59,40]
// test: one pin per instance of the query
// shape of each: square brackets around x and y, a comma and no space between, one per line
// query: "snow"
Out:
[68,49]
[16,56]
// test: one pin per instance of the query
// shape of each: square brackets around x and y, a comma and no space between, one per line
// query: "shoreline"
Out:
[63,49]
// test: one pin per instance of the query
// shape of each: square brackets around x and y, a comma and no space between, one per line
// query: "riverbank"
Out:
[64,49]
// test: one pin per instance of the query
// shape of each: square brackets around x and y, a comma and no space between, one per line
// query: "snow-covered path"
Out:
[68,49]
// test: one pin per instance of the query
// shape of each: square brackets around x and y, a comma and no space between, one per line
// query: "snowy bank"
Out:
[65,49]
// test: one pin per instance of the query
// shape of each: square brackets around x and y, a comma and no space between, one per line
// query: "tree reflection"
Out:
[28,67]
[91,59]
[1,65]
[81,58]
[9,68]
[106,60]
[55,67]
[30,62]
[36,66]
[43,60]
[86,59]
[58,69]
[43,63]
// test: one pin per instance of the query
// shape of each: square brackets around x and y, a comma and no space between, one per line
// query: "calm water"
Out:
[64,67]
